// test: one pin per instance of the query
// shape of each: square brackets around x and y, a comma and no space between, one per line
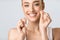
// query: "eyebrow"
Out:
[26,2]
[33,2]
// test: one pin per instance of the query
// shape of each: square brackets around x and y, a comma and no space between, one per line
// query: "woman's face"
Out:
[31,9]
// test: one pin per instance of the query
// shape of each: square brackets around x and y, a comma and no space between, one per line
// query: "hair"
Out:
[42,5]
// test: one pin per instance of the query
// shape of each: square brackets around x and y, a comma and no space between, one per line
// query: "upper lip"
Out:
[32,13]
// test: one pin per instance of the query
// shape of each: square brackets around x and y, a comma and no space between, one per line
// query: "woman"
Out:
[38,21]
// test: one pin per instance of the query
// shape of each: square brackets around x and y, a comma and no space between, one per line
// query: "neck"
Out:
[33,25]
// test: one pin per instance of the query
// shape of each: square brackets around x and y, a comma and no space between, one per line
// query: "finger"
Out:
[18,29]
[20,25]
[42,16]
[25,21]
[48,19]
[47,22]
[41,12]
[46,16]
[24,30]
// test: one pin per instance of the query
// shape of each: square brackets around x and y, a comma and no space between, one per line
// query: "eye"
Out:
[37,4]
[26,5]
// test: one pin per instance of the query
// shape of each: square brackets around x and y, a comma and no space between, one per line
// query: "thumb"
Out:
[24,30]
[24,20]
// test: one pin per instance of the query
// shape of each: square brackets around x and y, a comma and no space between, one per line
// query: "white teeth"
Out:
[32,15]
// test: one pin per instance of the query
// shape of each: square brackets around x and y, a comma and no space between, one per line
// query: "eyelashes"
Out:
[36,4]
[27,5]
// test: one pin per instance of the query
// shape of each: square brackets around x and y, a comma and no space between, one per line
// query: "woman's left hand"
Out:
[44,20]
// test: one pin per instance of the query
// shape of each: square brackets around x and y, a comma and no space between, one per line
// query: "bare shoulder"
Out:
[12,34]
[12,30]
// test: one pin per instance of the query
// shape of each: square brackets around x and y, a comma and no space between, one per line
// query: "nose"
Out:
[31,8]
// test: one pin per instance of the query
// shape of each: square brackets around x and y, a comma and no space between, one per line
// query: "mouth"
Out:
[32,14]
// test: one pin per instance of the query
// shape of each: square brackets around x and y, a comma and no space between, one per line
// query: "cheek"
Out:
[37,9]
[25,10]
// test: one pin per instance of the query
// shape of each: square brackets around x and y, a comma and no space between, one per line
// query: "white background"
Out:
[11,12]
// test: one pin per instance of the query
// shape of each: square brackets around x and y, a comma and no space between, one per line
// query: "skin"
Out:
[38,21]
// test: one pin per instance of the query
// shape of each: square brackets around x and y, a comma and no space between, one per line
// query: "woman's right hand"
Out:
[21,28]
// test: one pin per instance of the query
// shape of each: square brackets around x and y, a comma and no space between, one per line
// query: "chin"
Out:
[33,19]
